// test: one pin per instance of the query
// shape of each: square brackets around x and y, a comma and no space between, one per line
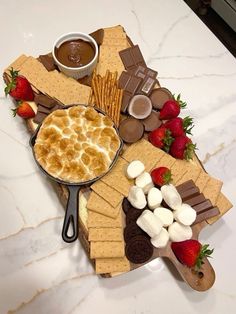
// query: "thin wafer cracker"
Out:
[165,161]
[112,265]
[106,234]
[224,205]
[178,169]
[202,180]
[117,177]
[112,196]
[191,174]
[16,65]
[106,249]
[96,220]
[212,190]
[97,204]
[145,152]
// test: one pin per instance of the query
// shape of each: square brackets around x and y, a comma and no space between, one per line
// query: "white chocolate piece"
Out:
[134,169]
[179,232]
[149,223]
[154,198]
[161,239]
[165,215]
[185,214]
[171,196]
[136,197]
[144,181]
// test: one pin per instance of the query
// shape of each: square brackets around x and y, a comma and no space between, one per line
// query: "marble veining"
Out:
[39,273]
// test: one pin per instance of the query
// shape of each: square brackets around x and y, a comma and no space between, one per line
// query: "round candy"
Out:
[140,107]
[152,122]
[132,230]
[131,130]
[159,96]
[139,249]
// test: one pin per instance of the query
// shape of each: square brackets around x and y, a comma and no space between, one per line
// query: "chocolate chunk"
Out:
[43,109]
[125,101]
[196,200]
[152,122]
[207,214]
[186,186]
[126,205]
[139,249]
[202,207]
[132,230]
[159,96]
[129,83]
[131,130]
[185,195]
[45,101]
[140,107]
[141,71]
[98,36]
[148,77]
[131,57]
[132,215]
[47,61]
[39,117]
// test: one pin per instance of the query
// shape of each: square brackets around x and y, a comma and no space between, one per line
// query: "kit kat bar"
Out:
[207,214]
[185,186]
[196,200]
[202,207]
[190,193]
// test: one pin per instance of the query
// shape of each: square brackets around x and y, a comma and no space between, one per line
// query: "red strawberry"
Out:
[19,87]
[171,108]
[161,176]
[191,252]
[182,148]
[161,138]
[179,126]
[24,111]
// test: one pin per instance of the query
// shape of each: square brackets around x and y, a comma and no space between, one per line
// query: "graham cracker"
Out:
[97,204]
[96,220]
[106,234]
[165,161]
[54,84]
[178,169]
[212,190]
[106,249]
[113,197]
[117,177]
[112,265]
[202,180]
[109,59]
[224,205]
[191,174]
[114,32]
[144,151]
[116,41]
[16,65]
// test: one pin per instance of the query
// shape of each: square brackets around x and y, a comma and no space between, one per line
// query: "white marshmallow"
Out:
[154,198]
[165,215]
[144,181]
[134,169]
[136,197]
[161,239]
[149,223]
[171,196]
[185,214]
[179,232]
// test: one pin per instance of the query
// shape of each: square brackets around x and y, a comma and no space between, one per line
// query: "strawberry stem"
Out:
[12,84]
[205,252]
[167,177]
[189,150]
[168,140]
[188,125]
[14,111]
[182,104]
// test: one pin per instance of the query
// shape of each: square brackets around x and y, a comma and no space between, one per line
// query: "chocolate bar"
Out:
[132,57]
[185,186]
[187,194]
[43,109]
[47,61]
[202,207]
[45,101]
[196,200]
[207,214]
[40,116]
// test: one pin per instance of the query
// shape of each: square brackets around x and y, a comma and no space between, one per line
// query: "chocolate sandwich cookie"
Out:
[132,230]
[159,96]
[131,130]
[126,205]
[152,122]
[132,215]
[139,249]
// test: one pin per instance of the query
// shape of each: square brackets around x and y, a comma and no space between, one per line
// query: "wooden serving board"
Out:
[199,281]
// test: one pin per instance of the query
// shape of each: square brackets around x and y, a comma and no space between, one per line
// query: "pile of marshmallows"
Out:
[160,223]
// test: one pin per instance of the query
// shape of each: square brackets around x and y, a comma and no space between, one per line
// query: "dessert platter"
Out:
[112,140]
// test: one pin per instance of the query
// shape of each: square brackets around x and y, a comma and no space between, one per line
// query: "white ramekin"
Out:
[79,72]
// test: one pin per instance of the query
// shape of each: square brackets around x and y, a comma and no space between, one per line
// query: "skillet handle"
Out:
[71,215]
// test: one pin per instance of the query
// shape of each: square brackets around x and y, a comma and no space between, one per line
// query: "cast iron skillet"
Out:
[71,214]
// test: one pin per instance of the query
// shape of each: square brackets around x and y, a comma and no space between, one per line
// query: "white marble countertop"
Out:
[41,274]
